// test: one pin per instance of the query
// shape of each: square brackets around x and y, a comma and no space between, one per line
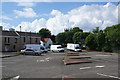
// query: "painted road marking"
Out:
[46,59]
[40,60]
[86,68]
[108,75]
[100,66]
[2,66]
[15,78]
[92,67]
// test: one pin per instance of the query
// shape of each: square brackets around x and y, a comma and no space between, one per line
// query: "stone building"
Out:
[14,40]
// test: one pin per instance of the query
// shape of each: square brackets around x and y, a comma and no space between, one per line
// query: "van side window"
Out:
[29,50]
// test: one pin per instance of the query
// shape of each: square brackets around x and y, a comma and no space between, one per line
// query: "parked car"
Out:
[58,48]
[31,51]
[74,47]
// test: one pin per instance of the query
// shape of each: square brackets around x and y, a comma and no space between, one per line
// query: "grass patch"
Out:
[18,52]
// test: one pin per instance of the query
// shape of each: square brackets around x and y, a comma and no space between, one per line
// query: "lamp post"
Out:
[20,38]
[20,28]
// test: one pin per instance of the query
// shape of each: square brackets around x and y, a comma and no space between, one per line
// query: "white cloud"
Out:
[34,26]
[5,18]
[26,4]
[6,26]
[55,12]
[85,17]
[27,13]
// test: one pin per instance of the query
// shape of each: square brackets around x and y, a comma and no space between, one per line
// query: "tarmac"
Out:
[8,54]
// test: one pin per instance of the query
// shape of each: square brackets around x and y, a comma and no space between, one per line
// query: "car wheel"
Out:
[39,54]
[36,54]
[24,53]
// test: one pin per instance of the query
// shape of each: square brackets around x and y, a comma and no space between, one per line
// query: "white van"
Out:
[57,48]
[74,47]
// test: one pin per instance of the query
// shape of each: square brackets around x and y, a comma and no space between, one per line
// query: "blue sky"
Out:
[12,10]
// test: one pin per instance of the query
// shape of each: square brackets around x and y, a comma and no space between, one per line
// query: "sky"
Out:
[57,16]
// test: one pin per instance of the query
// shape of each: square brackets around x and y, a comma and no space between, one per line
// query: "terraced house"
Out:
[14,40]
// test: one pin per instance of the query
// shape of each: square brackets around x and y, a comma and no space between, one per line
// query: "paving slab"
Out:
[77,57]
[72,61]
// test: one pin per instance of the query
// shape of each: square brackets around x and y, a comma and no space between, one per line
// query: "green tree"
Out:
[60,38]
[100,40]
[69,37]
[96,30]
[91,42]
[76,29]
[113,37]
[44,33]
[53,38]
[79,37]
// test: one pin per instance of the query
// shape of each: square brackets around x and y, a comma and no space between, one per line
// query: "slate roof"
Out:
[13,33]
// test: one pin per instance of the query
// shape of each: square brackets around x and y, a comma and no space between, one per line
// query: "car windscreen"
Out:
[77,47]
[60,47]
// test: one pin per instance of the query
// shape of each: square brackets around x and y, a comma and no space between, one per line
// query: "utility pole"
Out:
[20,39]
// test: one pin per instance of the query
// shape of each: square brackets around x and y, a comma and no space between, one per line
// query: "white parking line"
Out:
[86,68]
[48,58]
[108,75]
[15,78]
[92,67]
[100,66]
[40,60]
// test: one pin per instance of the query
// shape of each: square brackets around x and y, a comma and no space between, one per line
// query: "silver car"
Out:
[31,52]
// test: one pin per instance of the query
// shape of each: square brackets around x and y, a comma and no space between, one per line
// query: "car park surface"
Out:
[51,65]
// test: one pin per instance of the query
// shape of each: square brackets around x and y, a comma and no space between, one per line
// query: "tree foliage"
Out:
[96,30]
[44,33]
[90,42]
[67,37]
[60,38]
[100,40]
[76,29]
[79,37]
[106,40]
[113,37]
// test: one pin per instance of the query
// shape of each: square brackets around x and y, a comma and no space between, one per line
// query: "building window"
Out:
[15,40]
[24,39]
[36,40]
[8,40]
[5,40]
[14,47]
[30,40]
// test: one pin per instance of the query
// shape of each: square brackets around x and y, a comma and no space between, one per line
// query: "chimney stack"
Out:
[1,27]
